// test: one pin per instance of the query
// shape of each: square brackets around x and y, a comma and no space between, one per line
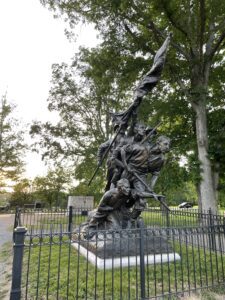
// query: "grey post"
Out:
[18,250]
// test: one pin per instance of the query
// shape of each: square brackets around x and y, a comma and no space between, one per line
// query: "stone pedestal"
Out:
[122,248]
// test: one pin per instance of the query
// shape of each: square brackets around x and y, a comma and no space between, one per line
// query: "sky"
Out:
[31,41]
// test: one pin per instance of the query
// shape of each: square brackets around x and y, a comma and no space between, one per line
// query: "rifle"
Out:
[112,142]
[154,195]
[150,191]
[105,154]
[150,133]
[147,84]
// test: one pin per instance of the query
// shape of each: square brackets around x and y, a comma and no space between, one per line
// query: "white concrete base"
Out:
[125,261]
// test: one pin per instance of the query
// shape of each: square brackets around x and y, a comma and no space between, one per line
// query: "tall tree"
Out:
[84,112]
[21,193]
[11,144]
[198,42]
[49,188]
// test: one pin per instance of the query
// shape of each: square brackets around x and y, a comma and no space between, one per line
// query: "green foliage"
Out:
[11,144]
[174,182]
[131,33]
[50,189]
[84,113]
[21,193]
[221,189]
[4,198]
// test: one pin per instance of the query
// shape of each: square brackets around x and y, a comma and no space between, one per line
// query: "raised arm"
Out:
[101,150]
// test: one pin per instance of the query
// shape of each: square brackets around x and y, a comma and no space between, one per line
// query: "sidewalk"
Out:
[6,228]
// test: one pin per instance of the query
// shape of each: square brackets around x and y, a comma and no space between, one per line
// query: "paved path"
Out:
[6,228]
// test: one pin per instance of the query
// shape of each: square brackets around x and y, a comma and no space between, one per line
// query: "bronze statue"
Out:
[146,85]
[114,209]
[131,155]
[157,158]
[112,169]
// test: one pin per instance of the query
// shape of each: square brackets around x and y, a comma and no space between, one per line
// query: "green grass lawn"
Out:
[48,221]
[5,270]
[58,272]
[158,218]
[151,218]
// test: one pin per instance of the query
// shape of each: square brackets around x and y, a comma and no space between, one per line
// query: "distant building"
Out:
[81,202]
[36,205]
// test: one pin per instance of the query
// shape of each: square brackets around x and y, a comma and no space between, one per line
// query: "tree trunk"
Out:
[206,185]
[215,176]
[199,196]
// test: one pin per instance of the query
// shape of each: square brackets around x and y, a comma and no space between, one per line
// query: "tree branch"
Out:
[217,45]
[202,27]
[181,84]
[210,39]
[171,19]
[158,32]
[155,31]
[137,40]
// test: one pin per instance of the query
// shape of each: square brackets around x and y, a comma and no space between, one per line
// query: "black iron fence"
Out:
[36,220]
[181,218]
[139,263]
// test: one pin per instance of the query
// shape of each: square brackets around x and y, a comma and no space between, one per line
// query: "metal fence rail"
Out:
[181,218]
[37,220]
[60,266]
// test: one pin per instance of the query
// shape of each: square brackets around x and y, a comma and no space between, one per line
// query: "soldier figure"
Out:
[157,157]
[135,160]
[112,169]
[120,198]
[131,156]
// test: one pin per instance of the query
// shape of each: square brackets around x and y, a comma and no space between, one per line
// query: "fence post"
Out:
[212,240]
[223,218]
[70,220]
[18,249]
[167,218]
[17,220]
[17,217]
[142,259]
